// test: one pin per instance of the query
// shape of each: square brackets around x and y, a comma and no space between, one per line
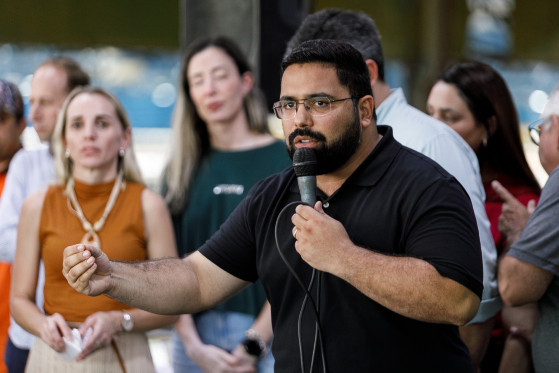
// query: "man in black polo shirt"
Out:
[389,254]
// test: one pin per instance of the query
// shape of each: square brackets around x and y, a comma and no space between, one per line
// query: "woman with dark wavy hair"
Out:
[473,99]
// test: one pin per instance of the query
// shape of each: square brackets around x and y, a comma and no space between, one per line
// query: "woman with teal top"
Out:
[221,148]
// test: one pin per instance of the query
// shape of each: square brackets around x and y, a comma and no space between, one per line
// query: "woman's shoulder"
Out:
[152,200]
[33,203]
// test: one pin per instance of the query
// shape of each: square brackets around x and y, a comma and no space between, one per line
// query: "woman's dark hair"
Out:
[489,99]
[11,101]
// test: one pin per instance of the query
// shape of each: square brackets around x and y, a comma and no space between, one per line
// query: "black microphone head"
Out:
[304,162]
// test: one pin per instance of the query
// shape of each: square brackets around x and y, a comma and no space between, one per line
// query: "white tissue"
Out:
[75,345]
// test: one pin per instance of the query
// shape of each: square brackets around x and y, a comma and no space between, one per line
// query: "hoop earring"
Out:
[122,152]
[67,154]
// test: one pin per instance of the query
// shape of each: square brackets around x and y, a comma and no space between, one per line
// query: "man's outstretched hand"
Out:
[87,269]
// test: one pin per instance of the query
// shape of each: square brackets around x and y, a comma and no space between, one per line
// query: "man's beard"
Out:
[331,156]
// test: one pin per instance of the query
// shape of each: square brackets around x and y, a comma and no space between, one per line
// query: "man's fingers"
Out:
[94,250]
[75,264]
[318,207]
[531,207]
[70,252]
[73,255]
[70,262]
[502,192]
[80,275]
[83,282]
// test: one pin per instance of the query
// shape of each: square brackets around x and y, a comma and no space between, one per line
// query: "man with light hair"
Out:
[31,170]
[530,270]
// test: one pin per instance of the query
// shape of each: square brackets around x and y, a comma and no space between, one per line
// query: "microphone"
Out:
[306,168]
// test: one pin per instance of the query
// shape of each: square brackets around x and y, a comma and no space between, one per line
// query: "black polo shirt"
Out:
[397,202]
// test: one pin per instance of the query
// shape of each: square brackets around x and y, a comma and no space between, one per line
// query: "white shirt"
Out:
[439,142]
[30,170]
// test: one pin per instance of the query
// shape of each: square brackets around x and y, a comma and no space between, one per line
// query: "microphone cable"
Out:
[318,338]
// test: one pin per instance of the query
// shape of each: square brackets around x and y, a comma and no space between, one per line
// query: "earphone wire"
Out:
[318,328]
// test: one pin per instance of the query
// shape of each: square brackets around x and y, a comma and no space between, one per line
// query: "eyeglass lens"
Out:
[316,106]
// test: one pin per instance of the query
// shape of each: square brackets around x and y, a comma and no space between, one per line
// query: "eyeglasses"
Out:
[535,129]
[315,106]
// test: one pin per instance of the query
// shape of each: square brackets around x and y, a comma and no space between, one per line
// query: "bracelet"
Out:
[253,344]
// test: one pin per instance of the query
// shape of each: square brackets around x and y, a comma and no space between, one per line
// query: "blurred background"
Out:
[134,48]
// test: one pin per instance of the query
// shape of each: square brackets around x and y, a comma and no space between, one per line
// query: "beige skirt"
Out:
[132,347]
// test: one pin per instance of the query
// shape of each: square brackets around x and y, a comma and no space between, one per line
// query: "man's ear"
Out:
[366,106]
[373,71]
[555,127]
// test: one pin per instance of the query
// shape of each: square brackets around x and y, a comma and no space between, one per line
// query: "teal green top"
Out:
[222,180]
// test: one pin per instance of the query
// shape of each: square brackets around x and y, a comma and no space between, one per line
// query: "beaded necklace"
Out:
[91,237]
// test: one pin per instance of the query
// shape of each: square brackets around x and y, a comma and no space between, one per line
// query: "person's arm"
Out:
[263,324]
[521,282]
[160,244]
[10,207]
[456,157]
[208,358]
[164,286]
[50,329]
[262,328]
[214,359]
[408,286]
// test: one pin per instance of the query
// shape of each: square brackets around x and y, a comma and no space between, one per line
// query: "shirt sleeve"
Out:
[11,202]
[538,242]
[237,235]
[442,231]
[466,171]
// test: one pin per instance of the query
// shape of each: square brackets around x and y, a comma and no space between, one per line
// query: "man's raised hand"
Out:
[87,269]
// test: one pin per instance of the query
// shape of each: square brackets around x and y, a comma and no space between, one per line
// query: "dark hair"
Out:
[350,68]
[11,101]
[75,75]
[488,98]
[355,28]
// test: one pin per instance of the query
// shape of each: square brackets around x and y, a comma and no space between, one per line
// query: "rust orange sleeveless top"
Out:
[122,238]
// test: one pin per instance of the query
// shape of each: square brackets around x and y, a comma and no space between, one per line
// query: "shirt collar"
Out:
[379,160]
[394,101]
[375,165]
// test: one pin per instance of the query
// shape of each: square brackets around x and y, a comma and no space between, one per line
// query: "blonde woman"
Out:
[221,149]
[99,199]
